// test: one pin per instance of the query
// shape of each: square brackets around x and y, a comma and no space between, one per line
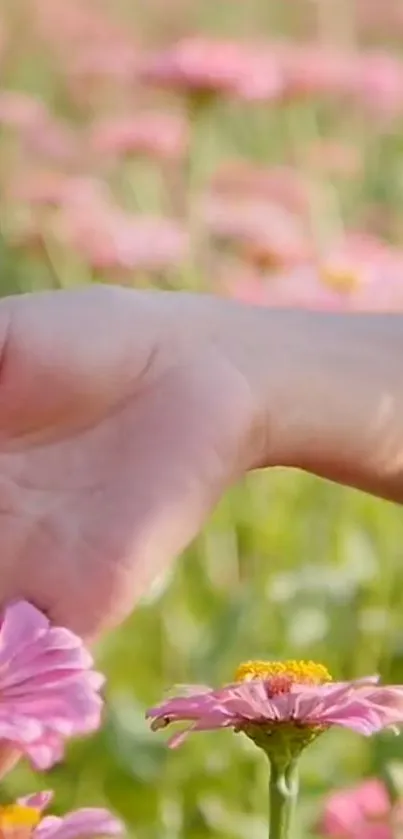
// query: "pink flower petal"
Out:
[359,705]
[354,812]
[44,752]
[79,825]
[47,691]
[37,800]
[21,627]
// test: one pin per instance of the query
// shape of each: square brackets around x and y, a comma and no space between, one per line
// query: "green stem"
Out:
[283,796]
[195,179]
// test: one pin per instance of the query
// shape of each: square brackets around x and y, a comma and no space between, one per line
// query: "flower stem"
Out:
[283,796]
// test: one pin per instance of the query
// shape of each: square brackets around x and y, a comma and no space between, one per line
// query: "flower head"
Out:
[361,812]
[262,232]
[300,286]
[48,691]
[23,820]
[283,185]
[110,239]
[153,134]
[317,70]
[21,111]
[283,705]
[208,67]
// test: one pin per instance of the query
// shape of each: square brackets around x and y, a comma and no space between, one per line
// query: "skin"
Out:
[125,415]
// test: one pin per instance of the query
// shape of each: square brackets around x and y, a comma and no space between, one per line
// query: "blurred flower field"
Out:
[252,149]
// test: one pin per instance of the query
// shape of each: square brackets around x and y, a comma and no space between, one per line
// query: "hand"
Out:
[125,415]
[122,421]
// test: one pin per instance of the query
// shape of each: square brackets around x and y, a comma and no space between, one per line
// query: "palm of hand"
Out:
[120,426]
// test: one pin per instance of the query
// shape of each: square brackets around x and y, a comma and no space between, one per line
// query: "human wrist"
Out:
[329,390]
[263,345]
[272,350]
[325,390]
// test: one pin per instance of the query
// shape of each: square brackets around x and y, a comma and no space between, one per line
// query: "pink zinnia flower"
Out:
[318,70]
[40,132]
[359,273]
[48,691]
[361,812]
[282,185]
[23,820]
[52,140]
[263,232]
[52,188]
[112,62]
[109,239]
[366,271]
[300,287]
[379,83]
[20,110]
[207,66]
[157,135]
[270,700]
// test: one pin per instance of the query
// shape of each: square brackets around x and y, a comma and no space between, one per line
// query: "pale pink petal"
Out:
[354,811]
[355,715]
[248,700]
[179,738]
[46,825]
[79,825]
[37,800]
[44,752]
[16,726]
[47,691]
[21,627]
[211,722]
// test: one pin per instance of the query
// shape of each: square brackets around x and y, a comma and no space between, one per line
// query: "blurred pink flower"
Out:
[297,288]
[109,239]
[52,141]
[367,77]
[23,820]
[318,70]
[40,132]
[80,27]
[360,812]
[358,273]
[159,135]
[378,83]
[114,62]
[206,66]
[264,233]
[50,187]
[93,52]
[48,691]
[269,694]
[367,270]
[20,110]
[283,185]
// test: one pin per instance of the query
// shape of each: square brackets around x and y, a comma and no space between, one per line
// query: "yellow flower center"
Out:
[282,674]
[340,279]
[18,820]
